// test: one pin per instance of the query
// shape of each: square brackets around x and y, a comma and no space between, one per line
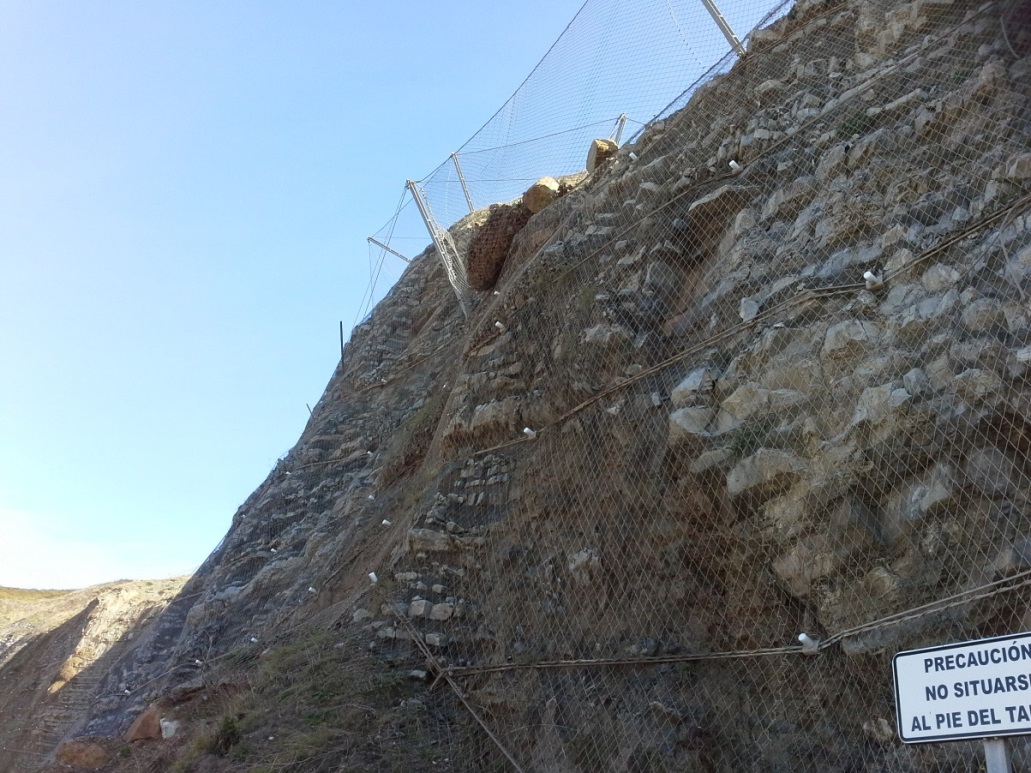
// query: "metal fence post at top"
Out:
[446,250]
[728,33]
[618,131]
[461,179]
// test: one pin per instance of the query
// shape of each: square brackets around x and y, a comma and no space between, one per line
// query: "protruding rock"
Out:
[909,504]
[600,152]
[939,278]
[789,200]
[419,608]
[607,334]
[976,384]
[698,381]
[1020,167]
[688,423]
[719,205]
[985,315]
[661,279]
[848,338]
[147,726]
[541,194]
[428,540]
[764,470]
[443,611]
[808,561]
[878,403]
[169,727]
[748,309]
[581,565]
[916,382]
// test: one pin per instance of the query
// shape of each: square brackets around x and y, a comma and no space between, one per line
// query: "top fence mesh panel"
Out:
[614,58]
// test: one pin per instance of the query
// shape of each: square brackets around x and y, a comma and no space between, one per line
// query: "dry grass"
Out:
[322,702]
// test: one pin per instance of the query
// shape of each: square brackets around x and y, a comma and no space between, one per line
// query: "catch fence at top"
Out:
[616,66]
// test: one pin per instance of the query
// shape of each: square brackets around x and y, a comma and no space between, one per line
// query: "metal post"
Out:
[341,343]
[461,179]
[446,249]
[996,756]
[618,131]
[381,245]
[429,220]
[728,33]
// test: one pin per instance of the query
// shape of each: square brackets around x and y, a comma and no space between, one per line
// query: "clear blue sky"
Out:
[185,192]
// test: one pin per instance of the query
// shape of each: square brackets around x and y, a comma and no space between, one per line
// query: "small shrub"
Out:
[749,438]
[227,737]
[859,123]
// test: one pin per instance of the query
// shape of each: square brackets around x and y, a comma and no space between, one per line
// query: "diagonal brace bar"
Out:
[728,33]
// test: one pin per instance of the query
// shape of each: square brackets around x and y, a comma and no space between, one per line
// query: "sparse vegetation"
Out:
[317,703]
[749,438]
[227,737]
[856,124]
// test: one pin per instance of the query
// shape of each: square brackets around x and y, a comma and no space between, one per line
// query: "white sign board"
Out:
[977,689]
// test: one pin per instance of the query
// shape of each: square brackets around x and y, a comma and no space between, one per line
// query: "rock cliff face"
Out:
[711,405]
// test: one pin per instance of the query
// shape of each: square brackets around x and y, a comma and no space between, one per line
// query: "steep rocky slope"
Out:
[707,406]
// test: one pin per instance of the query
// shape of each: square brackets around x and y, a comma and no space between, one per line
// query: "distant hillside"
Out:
[48,639]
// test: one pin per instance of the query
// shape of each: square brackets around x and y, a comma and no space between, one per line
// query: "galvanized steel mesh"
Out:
[763,373]
[767,376]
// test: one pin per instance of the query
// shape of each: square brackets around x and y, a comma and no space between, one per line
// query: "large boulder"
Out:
[146,727]
[600,152]
[541,194]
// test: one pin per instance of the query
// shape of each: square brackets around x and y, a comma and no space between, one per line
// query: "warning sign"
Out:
[976,689]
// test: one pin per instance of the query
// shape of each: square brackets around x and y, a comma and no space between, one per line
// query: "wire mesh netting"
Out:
[762,373]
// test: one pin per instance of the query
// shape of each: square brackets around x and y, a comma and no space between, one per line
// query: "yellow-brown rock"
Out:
[601,151]
[82,754]
[541,194]
[147,726]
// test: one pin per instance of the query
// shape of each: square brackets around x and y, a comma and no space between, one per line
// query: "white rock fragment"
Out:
[373,577]
[168,728]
